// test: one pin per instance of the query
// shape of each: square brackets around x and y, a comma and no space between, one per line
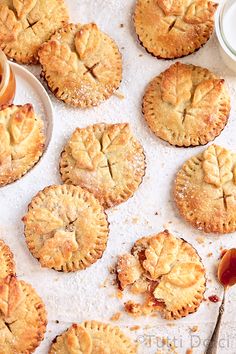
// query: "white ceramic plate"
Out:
[30,90]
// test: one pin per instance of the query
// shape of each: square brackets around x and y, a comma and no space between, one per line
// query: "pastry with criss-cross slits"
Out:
[26,24]
[66,228]
[186,105]
[21,141]
[92,337]
[171,29]
[105,159]
[23,317]
[205,190]
[7,264]
[167,272]
[81,65]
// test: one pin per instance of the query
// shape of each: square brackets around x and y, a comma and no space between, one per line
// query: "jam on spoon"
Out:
[227,277]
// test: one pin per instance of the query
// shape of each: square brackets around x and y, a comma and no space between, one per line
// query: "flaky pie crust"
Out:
[205,190]
[167,272]
[66,228]
[81,65]
[171,29]
[105,159]
[186,105]
[22,317]
[25,25]
[92,337]
[22,141]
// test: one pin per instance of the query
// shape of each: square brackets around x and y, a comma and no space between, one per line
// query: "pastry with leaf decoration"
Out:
[171,29]
[23,317]
[92,337]
[81,65]
[205,190]
[26,24]
[21,143]
[66,228]
[7,264]
[106,159]
[167,272]
[186,105]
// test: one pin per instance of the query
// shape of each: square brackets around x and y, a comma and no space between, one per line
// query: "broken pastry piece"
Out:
[167,272]
[92,337]
[81,65]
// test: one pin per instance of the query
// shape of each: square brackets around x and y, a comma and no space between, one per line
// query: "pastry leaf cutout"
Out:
[185,275]
[171,7]
[217,165]
[117,135]
[9,25]
[86,150]
[5,148]
[45,221]
[63,60]
[23,7]
[78,340]
[129,270]
[200,11]
[207,93]
[160,256]
[87,40]
[58,249]
[11,295]
[22,123]
[176,84]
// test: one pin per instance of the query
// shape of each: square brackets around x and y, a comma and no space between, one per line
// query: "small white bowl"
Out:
[228,54]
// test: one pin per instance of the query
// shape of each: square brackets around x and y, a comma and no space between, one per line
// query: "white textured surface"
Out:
[77,297]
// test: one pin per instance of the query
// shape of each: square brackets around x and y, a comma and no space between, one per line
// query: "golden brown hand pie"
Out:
[22,317]
[105,159]
[167,272]
[186,105]
[171,29]
[205,190]
[92,337]
[26,24]
[7,264]
[66,228]
[21,143]
[81,64]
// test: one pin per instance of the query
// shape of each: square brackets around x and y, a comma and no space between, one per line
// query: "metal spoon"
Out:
[227,277]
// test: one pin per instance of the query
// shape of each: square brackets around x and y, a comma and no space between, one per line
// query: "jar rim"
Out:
[222,8]
[5,67]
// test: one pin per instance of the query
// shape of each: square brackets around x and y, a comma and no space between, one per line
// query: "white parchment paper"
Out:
[84,295]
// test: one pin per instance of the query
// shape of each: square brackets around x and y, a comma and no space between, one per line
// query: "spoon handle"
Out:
[212,346]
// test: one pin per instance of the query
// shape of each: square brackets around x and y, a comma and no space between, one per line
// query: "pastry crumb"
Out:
[122,25]
[135,328]
[210,254]
[194,329]
[119,294]
[116,316]
[135,220]
[119,95]
[189,351]
[200,240]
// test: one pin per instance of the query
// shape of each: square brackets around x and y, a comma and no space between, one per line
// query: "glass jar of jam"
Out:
[7,81]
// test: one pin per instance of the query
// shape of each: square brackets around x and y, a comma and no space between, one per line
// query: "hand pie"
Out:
[186,105]
[25,25]
[106,160]
[7,264]
[81,64]
[205,190]
[167,272]
[92,337]
[66,228]
[171,29]
[22,141]
[22,317]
